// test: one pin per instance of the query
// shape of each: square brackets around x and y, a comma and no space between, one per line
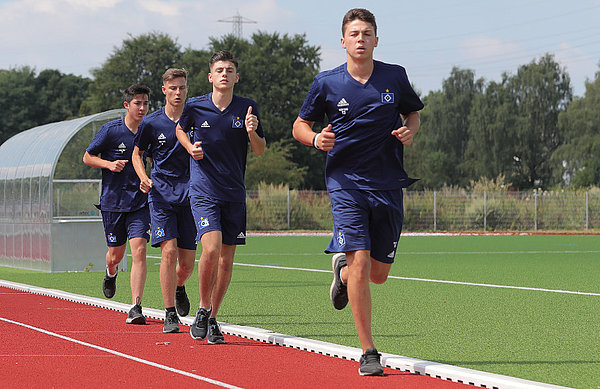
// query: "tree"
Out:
[541,90]
[577,163]
[442,140]
[139,60]
[39,99]
[274,167]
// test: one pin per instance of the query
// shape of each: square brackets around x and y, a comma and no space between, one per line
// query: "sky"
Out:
[428,38]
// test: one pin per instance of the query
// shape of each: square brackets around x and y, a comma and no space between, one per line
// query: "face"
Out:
[359,39]
[223,75]
[137,108]
[175,91]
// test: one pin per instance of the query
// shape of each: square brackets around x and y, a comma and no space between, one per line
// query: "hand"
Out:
[146,185]
[404,135]
[326,139]
[117,166]
[251,121]
[196,152]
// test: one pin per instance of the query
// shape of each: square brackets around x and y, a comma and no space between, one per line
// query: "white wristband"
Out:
[315,141]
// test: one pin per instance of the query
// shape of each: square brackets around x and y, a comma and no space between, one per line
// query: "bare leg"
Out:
[223,277]
[114,255]
[208,266]
[138,268]
[185,265]
[168,278]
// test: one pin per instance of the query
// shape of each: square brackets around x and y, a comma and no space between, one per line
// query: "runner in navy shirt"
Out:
[124,207]
[372,111]
[222,125]
[173,227]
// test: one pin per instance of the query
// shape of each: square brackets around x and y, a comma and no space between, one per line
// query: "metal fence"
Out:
[279,209]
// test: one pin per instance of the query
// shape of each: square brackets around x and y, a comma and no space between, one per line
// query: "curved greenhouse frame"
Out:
[32,236]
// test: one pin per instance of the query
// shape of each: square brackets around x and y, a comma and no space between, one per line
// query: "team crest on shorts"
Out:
[387,97]
[203,222]
[340,239]
[159,233]
[112,238]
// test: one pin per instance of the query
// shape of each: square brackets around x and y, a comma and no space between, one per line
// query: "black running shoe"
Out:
[199,328]
[338,291]
[369,363]
[109,285]
[171,323]
[214,332]
[135,315]
[182,302]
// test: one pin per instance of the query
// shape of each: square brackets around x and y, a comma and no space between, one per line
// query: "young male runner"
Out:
[222,123]
[173,227]
[372,111]
[124,207]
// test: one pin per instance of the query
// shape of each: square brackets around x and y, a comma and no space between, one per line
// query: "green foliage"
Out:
[274,166]
[27,100]
[139,60]
[270,208]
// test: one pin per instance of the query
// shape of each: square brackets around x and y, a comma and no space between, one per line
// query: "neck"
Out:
[360,70]
[222,98]
[174,112]
[132,124]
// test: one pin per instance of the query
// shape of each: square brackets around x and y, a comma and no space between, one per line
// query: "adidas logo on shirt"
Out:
[205,124]
[342,103]
[162,136]
[122,147]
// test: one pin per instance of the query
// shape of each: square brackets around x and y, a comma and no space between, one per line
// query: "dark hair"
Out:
[360,14]
[134,90]
[174,73]
[223,55]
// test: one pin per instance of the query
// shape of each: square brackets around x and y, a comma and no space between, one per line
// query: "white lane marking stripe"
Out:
[432,280]
[117,353]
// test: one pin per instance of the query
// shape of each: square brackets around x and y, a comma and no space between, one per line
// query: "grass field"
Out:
[536,330]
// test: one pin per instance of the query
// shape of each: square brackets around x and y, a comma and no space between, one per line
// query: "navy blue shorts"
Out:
[120,226]
[367,220]
[229,217]
[173,222]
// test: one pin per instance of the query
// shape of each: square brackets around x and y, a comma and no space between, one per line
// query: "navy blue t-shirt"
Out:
[170,172]
[365,154]
[220,173]
[120,191]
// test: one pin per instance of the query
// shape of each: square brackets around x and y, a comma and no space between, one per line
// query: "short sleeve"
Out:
[313,109]
[143,136]
[98,143]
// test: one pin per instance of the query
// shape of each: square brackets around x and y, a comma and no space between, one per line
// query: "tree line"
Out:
[526,130]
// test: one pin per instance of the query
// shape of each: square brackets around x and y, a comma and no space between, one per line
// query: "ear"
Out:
[210,77]
[376,41]
[237,77]
[343,42]
[126,105]
[164,90]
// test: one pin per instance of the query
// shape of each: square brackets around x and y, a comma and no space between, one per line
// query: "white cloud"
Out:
[485,48]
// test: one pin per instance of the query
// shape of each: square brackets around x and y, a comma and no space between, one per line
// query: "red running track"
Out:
[51,343]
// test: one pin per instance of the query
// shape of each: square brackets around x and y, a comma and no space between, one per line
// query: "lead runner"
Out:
[372,111]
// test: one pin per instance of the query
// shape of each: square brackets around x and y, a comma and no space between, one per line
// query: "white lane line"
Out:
[431,280]
[119,354]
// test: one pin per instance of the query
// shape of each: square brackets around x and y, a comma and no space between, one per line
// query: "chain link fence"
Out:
[276,208]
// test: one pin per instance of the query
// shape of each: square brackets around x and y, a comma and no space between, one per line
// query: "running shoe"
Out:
[171,323]
[135,315]
[182,302]
[109,284]
[214,332]
[199,328]
[369,363]
[338,291]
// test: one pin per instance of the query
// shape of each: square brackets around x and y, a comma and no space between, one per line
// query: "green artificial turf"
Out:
[531,334]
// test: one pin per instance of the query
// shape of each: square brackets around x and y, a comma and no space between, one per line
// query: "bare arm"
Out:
[303,133]
[195,150]
[97,162]
[138,165]
[406,133]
